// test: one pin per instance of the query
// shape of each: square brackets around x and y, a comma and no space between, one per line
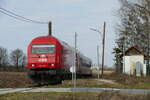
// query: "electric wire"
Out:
[18,17]
[14,16]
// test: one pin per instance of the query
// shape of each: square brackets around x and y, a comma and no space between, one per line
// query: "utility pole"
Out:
[148,14]
[103,44]
[98,62]
[103,51]
[124,49]
[148,62]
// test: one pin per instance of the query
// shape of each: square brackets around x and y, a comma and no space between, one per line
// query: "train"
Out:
[51,60]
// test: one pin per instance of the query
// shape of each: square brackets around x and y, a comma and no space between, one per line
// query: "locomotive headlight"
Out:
[33,65]
[52,64]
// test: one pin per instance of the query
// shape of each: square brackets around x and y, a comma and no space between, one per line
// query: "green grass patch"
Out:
[142,85]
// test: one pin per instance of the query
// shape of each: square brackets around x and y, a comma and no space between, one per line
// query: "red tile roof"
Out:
[135,48]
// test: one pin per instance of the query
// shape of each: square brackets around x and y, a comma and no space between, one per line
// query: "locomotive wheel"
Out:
[55,80]
[43,78]
[59,79]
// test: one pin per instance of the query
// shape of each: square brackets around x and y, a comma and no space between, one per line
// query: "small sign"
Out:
[72,69]
[42,56]
[42,60]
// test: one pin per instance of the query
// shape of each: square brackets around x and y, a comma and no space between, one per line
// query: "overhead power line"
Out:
[13,16]
[18,17]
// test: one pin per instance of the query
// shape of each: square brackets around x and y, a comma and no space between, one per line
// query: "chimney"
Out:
[50,29]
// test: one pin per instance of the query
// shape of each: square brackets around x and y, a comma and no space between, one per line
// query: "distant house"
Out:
[135,62]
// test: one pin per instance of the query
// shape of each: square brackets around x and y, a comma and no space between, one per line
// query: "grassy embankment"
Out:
[14,80]
[109,80]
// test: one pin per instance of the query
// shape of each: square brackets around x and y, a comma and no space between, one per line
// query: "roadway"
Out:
[25,90]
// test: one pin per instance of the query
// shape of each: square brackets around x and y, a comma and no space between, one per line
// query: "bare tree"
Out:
[18,57]
[134,26]
[3,57]
[23,61]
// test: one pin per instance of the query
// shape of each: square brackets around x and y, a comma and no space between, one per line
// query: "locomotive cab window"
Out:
[43,49]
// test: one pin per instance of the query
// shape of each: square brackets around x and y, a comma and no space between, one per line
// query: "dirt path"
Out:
[25,90]
[107,81]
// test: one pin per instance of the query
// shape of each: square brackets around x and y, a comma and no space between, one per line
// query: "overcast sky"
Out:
[68,17]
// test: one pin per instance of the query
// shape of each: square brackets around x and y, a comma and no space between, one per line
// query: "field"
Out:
[77,96]
[109,80]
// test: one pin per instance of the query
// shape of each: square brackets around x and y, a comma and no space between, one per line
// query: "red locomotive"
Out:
[51,60]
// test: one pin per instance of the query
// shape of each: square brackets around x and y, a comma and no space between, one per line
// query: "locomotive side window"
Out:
[43,49]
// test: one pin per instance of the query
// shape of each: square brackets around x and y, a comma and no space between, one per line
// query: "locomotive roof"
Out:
[44,37]
[48,37]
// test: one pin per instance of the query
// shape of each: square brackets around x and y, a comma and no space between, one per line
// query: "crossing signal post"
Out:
[98,64]
[74,68]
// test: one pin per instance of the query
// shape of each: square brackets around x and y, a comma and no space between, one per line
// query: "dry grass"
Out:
[126,79]
[14,80]
[106,72]
[129,81]
[21,80]
[113,80]
[89,83]
[78,96]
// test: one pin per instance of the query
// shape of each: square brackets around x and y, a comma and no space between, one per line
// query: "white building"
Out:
[134,62]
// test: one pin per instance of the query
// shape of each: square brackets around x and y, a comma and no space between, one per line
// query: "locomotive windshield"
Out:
[43,49]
